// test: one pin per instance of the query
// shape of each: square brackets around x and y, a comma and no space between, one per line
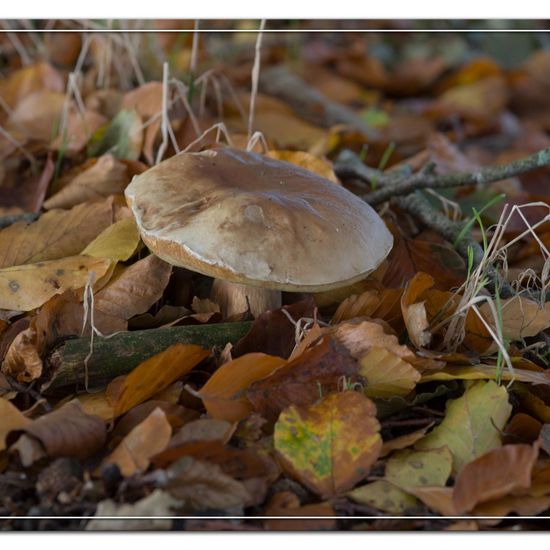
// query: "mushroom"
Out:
[257,225]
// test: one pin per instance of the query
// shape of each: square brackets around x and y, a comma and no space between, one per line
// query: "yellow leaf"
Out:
[387,374]
[224,395]
[486,372]
[117,242]
[27,287]
[410,468]
[330,446]
[384,496]
[472,423]
[157,373]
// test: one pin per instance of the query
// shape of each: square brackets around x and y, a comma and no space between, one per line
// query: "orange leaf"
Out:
[157,373]
[414,310]
[224,395]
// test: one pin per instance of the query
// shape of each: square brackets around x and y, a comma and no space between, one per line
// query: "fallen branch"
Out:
[124,351]
[348,164]
[308,102]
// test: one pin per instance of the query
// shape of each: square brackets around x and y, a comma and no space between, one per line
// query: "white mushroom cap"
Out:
[250,219]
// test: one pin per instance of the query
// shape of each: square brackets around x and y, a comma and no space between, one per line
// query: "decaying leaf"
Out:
[224,395]
[472,424]
[414,311]
[329,446]
[10,419]
[316,372]
[27,287]
[307,161]
[409,468]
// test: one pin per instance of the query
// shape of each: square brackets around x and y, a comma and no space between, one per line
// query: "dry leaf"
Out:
[147,439]
[118,242]
[68,431]
[318,371]
[135,289]
[106,176]
[384,496]
[54,235]
[10,419]
[493,475]
[27,287]
[156,373]
[414,310]
[387,374]
[403,441]
[224,395]
[203,486]
[330,446]
[307,161]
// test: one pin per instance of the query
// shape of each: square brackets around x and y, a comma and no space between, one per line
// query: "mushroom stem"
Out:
[235,298]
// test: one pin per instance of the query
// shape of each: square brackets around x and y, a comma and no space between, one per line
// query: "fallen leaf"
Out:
[387,374]
[156,373]
[78,131]
[135,289]
[521,505]
[224,395]
[118,242]
[330,446]
[122,137]
[29,79]
[27,287]
[414,310]
[10,419]
[493,475]
[203,486]
[203,429]
[68,431]
[472,424]
[384,496]
[316,372]
[104,176]
[273,332]
[403,441]
[409,468]
[378,304]
[437,499]
[54,235]
[147,439]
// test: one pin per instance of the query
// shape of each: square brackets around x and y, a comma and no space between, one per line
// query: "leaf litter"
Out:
[422,389]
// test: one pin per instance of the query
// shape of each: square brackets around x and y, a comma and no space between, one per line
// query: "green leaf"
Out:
[384,496]
[472,423]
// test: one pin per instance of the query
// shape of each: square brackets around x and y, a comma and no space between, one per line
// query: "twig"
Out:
[348,164]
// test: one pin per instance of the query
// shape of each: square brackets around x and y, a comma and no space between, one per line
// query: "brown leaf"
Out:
[156,373]
[378,304]
[203,486]
[80,127]
[403,441]
[203,429]
[102,177]
[273,332]
[318,371]
[147,439]
[224,395]
[414,310]
[10,419]
[135,289]
[493,475]
[68,431]
[54,235]
[60,317]
[308,161]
